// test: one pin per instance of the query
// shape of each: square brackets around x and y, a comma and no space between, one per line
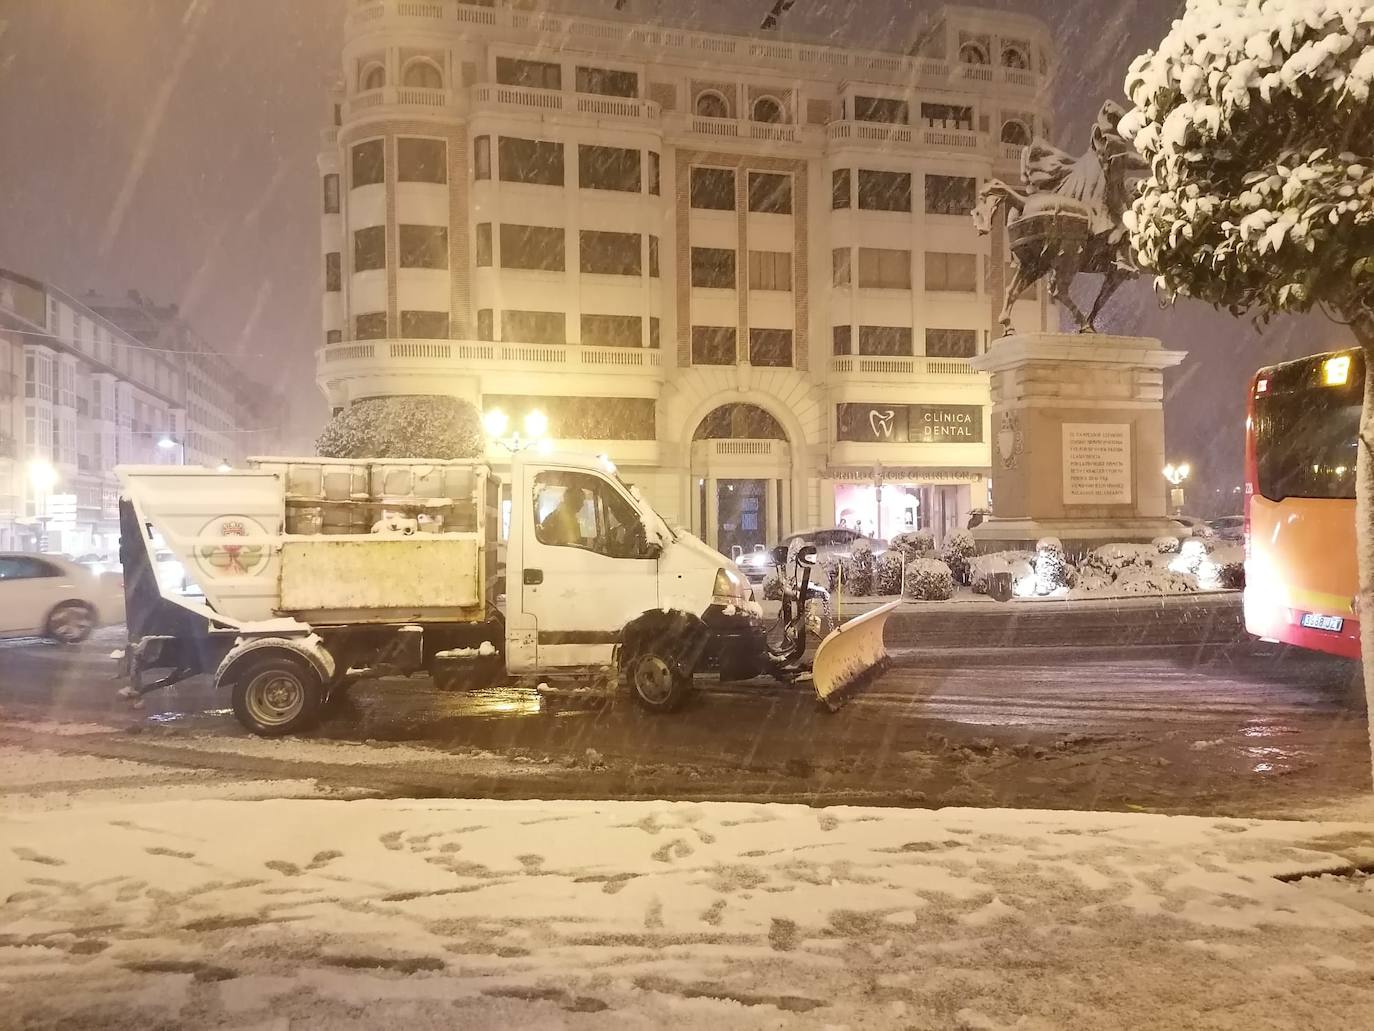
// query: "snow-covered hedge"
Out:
[772,587]
[861,572]
[887,577]
[928,579]
[913,542]
[1166,545]
[1223,568]
[956,552]
[419,426]
[1153,580]
[1052,570]
[1017,563]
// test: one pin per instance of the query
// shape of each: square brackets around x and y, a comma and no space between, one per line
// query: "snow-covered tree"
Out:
[422,426]
[1257,120]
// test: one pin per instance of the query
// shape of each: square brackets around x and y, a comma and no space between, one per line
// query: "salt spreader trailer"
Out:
[312,573]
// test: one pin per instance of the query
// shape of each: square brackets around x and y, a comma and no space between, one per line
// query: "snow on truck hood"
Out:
[688,551]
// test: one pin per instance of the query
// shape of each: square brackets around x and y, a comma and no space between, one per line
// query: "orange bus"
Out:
[1300,569]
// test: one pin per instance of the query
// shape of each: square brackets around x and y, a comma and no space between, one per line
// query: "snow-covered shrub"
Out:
[1222,569]
[1088,582]
[1166,545]
[772,587]
[1112,558]
[887,576]
[1052,569]
[928,579]
[1190,555]
[1017,563]
[837,574]
[956,552]
[1145,580]
[413,426]
[913,542]
[861,581]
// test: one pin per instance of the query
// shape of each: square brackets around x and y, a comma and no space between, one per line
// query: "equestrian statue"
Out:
[1068,220]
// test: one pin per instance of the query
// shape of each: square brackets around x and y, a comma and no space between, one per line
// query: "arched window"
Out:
[374,77]
[768,109]
[1015,132]
[422,73]
[1014,57]
[711,104]
[972,53]
[739,421]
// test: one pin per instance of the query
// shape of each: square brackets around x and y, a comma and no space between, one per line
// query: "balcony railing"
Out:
[480,353]
[494,94]
[883,135]
[387,96]
[845,365]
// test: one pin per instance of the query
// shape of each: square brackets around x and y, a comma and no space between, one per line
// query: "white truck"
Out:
[311,573]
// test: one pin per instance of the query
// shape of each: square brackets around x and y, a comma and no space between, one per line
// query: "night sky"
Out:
[169,146]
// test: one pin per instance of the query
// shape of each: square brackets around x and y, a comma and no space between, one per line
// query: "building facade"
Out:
[740,265]
[81,392]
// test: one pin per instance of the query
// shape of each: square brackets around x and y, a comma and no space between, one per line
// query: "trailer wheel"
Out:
[276,694]
[657,684]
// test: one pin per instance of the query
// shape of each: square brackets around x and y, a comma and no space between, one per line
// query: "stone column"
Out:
[1078,439]
[712,527]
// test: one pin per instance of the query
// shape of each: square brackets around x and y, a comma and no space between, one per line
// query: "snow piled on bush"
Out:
[928,579]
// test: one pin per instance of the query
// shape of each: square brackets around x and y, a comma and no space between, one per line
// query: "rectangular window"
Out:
[840,264]
[843,339]
[534,327]
[655,163]
[608,168]
[481,157]
[955,272]
[333,336]
[713,189]
[421,161]
[884,191]
[713,345]
[530,161]
[613,330]
[485,326]
[512,71]
[607,82]
[950,194]
[947,116]
[770,347]
[369,248]
[369,163]
[770,193]
[333,272]
[713,267]
[533,247]
[770,270]
[423,246]
[610,254]
[653,257]
[951,343]
[655,333]
[483,241]
[371,326]
[424,325]
[331,193]
[881,109]
[886,341]
[882,268]
[840,187]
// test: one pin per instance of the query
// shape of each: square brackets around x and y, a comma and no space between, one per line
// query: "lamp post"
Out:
[1176,474]
[43,478]
[536,429]
[167,443]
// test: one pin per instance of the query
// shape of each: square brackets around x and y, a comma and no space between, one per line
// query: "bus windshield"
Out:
[1306,429]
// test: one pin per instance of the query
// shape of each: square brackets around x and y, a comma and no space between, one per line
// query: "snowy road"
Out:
[1235,730]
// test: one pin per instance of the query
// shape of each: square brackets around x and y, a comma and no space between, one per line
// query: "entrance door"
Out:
[742,514]
[585,573]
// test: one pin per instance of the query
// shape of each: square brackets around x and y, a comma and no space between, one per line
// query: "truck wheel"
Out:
[657,684]
[277,694]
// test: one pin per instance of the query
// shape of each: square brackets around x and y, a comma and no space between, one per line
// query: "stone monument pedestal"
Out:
[1077,440]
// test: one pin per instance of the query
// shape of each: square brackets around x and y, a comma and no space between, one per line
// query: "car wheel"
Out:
[277,694]
[657,684]
[70,622]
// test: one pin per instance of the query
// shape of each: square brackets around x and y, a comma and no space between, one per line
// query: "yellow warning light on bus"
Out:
[1336,371]
[1262,386]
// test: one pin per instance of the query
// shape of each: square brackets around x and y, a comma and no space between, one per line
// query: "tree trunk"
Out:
[1364,523]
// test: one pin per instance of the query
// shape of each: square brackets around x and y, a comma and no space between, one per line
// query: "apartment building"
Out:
[740,265]
[79,394]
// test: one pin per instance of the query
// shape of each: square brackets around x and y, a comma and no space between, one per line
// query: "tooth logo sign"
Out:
[882,422]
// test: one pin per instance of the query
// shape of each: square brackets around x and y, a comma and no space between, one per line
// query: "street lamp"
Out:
[536,426]
[43,478]
[1176,474]
[167,443]
[224,466]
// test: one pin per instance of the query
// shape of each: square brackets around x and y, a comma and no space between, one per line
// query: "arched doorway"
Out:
[742,479]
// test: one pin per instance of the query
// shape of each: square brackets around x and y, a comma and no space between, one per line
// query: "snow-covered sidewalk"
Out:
[307,913]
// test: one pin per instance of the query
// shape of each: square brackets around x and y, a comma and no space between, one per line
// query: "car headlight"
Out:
[730,588]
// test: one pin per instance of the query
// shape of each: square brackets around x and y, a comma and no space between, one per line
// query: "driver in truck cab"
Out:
[561,526]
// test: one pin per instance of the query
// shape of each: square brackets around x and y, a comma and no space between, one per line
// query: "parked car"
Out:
[1229,528]
[56,597]
[834,543]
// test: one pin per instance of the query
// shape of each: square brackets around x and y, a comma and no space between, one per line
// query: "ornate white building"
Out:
[741,265]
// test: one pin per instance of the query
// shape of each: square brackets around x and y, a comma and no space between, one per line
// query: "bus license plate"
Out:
[1316,621]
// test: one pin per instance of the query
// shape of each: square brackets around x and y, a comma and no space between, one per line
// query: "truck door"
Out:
[587,571]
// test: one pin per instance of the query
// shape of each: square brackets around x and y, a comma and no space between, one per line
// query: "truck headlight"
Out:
[730,588]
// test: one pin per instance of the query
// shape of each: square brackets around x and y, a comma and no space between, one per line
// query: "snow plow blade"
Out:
[851,656]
